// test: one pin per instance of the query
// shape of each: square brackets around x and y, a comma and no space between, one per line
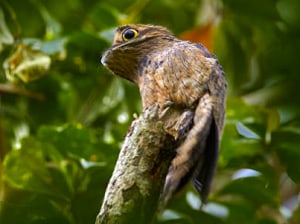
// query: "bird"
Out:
[187,83]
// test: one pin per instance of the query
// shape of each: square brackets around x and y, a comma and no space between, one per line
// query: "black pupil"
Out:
[129,34]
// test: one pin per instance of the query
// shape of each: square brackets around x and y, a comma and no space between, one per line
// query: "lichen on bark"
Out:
[133,192]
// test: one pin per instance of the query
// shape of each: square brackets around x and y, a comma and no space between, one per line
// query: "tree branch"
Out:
[132,195]
[13,89]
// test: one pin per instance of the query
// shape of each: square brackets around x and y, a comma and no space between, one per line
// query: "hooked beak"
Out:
[103,59]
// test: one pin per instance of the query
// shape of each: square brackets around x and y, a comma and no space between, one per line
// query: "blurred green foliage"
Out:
[60,134]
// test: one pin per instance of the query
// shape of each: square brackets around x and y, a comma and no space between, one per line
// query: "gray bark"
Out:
[133,192]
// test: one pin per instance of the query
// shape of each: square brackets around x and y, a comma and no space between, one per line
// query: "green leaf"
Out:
[288,10]
[26,64]
[54,47]
[53,27]
[69,140]
[104,16]
[30,172]
[286,143]
[5,35]
[246,132]
[253,189]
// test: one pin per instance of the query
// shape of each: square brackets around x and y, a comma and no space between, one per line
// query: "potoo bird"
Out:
[188,85]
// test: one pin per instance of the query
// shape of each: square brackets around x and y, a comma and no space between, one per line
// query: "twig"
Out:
[8,88]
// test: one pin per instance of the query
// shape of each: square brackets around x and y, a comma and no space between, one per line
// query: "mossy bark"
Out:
[133,192]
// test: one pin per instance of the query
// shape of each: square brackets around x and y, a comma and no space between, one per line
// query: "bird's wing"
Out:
[204,173]
[196,157]
[193,154]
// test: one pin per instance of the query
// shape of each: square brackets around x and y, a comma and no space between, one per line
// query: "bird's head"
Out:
[131,44]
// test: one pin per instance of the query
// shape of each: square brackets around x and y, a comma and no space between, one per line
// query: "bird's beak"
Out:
[104,57]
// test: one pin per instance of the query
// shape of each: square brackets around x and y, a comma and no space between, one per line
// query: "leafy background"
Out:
[61,129]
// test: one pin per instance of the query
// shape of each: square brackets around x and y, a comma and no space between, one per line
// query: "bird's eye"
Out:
[129,34]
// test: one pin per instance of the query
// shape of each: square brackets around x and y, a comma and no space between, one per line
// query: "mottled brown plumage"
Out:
[188,85]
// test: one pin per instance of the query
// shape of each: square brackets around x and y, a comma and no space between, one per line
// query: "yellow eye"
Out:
[129,34]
